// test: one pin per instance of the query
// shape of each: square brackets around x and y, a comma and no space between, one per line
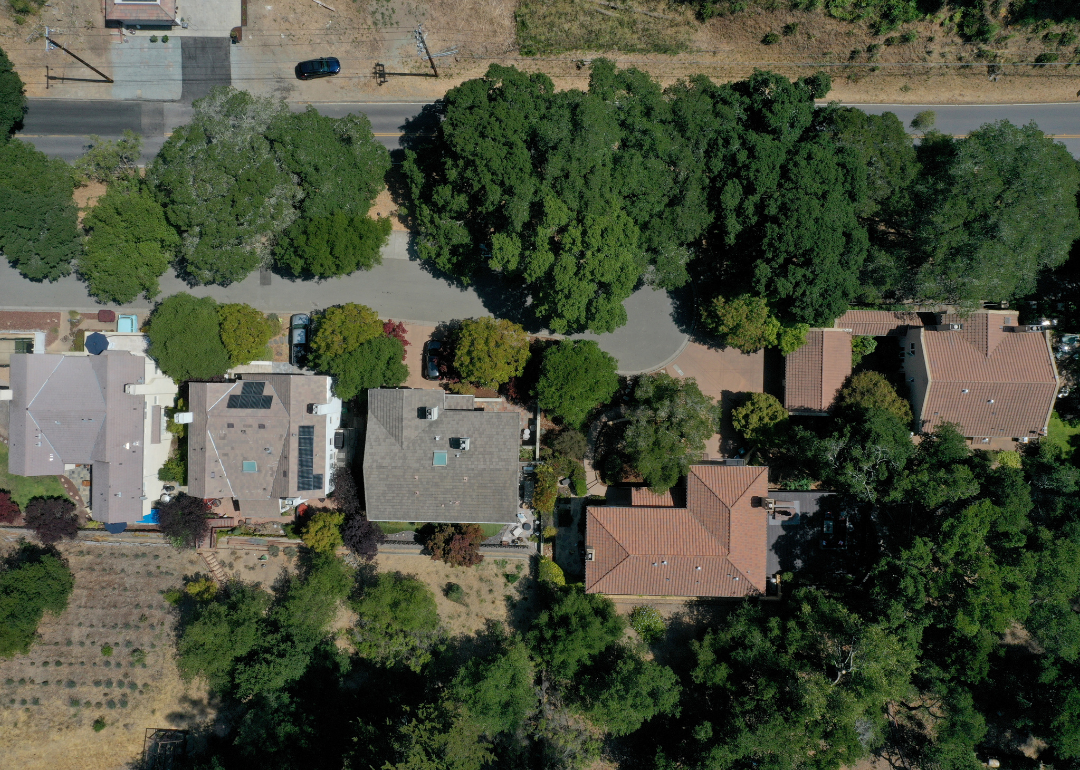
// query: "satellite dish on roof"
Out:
[97,343]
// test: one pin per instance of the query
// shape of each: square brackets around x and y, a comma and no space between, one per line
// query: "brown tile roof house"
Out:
[990,376]
[714,546]
[86,410]
[142,12]
[256,440]
[877,323]
[815,372]
[430,456]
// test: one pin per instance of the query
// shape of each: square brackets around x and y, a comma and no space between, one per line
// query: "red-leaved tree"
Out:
[456,544]
[52,519]
[397,331]
[9,511]
[362,537]
[184,520]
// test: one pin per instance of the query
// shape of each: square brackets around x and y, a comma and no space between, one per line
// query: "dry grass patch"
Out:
[552,26]
[487,592]
[116,603]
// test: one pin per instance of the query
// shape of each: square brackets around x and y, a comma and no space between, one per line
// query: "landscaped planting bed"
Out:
[109,655]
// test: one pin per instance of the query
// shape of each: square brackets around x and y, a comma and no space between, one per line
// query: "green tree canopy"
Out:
[33,580]
[575,377]
[573,194]
[323,532]
[669,426]
[743,322]
[38,228]
[866,453]
[573,631]
[107,160]
[245,333]
[489,351]
[222,187]
[758,418]
[870,390]
[397,623]
[339,244]
[245,167]
[130,244]
[218,634]
[185,338]
[978,236]
[342,329]
[375,364]
[12,97]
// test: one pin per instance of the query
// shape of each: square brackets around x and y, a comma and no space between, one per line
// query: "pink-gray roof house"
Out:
[90,410]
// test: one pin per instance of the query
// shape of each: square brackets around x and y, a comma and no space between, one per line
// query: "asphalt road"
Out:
[1060,120]
[401,288]
[62,127]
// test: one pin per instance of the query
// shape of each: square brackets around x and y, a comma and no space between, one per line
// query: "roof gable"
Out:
[715,546]
[815,372]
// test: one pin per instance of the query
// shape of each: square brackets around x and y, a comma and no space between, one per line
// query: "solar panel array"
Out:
[250,388]
[249,402]
[305,456]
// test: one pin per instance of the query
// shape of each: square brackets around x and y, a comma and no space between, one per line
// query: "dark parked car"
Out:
[318,68]
[834,531]
[299,326]
[431,361]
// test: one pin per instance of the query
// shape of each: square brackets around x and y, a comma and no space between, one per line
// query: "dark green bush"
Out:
[770,39]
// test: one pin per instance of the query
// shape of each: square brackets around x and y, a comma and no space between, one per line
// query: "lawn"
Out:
[24,488]
[1064,434]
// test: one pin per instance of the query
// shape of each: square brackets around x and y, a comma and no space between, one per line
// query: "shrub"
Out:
[551,573]
[9,511]
[110,704]
[909,37]
[455,593]
[570,443]
[456,544]
[346,496]
[550,532]
[770,39]
[1048,57]
[153,38]
[99,725]
[861,347]
[648,623]
[581,487]
[323,533]
[52,518]
[790,29]
[164,38]
[273,550]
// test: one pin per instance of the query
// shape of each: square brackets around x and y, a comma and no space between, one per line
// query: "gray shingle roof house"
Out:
[258,441]
[431,456]
[104,411]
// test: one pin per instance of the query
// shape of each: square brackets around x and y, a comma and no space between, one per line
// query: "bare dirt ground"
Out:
[934,67]
[489,594]
[116,602]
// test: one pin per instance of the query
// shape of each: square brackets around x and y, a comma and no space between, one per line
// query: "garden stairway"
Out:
[216,569]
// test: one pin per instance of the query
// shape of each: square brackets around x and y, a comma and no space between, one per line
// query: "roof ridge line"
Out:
[625,556]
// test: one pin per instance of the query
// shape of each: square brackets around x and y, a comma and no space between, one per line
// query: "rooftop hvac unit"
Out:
[767,502]
[460,443]
[590,554]
[430,413]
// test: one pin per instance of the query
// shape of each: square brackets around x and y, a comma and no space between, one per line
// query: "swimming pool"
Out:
[128,324]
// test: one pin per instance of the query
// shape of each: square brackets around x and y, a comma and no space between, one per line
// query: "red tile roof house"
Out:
[814,374]
[984,372]
[715,545]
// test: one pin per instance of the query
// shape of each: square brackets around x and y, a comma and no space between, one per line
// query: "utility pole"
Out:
[422,43]
[81,60]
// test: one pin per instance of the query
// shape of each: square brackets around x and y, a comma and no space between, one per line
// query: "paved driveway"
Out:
[723,374]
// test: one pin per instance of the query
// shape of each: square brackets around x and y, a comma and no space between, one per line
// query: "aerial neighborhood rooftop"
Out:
[539,384]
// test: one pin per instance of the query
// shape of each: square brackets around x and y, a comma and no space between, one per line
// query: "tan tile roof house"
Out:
[984,372]
[266,440]
[432,456]
[714,546]
[150,13]
[104,411]
[815,372]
